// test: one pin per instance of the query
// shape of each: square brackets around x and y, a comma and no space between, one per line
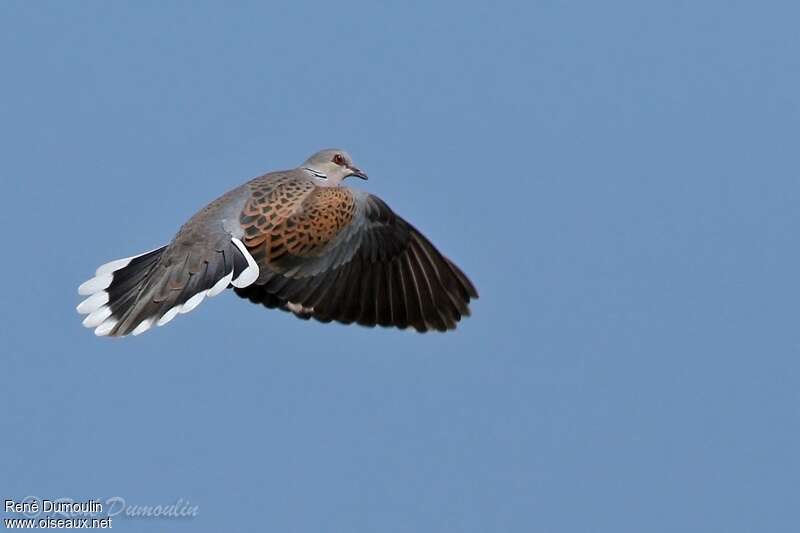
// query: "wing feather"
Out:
[364,264]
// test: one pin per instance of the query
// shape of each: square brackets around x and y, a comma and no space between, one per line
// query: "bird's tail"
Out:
[133,294]
[114,289]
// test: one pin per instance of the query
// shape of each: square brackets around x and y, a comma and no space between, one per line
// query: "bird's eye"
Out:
[338,159]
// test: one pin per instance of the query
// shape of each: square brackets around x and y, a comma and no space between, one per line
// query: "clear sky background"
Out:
[619,179]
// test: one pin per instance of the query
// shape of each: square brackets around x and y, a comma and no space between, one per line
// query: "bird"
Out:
[297,240]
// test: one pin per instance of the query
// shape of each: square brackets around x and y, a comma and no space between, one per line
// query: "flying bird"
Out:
[296,240]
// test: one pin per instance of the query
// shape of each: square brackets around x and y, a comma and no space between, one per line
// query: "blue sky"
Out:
[619,179]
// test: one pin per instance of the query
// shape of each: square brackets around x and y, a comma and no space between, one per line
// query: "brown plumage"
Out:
[287,216]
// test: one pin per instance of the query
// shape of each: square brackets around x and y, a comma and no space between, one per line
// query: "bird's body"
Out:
[296,240]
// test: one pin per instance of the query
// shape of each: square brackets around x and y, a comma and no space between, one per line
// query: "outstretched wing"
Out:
[339,255]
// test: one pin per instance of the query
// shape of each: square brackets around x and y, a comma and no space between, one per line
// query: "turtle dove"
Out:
[296,240]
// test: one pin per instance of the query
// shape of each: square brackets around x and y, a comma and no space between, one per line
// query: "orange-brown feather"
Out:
[295,218]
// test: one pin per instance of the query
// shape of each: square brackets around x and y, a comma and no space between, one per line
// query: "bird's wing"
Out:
[338,254]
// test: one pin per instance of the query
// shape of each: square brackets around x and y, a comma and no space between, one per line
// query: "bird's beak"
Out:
[357,172]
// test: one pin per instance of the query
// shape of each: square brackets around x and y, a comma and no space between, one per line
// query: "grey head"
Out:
[329,167]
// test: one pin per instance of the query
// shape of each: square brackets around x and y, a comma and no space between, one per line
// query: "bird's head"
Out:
[331,166]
